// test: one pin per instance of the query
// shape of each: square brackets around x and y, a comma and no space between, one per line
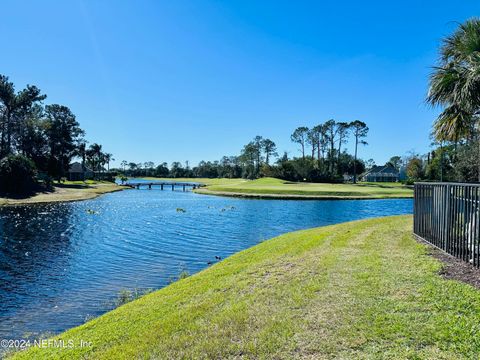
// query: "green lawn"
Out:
[66,191]
[84,183]
[276,188]
[359,290]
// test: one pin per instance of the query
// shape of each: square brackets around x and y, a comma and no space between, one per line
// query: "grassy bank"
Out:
[67,191]
[280,189]
[359,290]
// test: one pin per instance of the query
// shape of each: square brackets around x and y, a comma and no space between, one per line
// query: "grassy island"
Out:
[358,290]
[66,191]
[280,189]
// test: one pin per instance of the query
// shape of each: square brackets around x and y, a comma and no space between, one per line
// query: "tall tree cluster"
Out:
[44,137]
[326,142]
[256,155]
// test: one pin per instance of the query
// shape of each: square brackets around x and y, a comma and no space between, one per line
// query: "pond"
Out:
[61,264]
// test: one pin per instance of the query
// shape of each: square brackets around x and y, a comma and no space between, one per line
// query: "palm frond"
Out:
[452,124]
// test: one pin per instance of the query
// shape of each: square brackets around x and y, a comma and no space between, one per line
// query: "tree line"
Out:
[322,158]
[38,140]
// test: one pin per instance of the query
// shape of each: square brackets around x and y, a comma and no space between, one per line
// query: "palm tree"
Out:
[107,158]
[81,151]
[123,164]
[455,85]
[95,156]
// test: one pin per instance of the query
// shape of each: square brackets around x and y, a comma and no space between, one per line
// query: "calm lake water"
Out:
[63,263]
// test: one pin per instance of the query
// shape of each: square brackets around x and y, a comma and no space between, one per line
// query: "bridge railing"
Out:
[173,185]
[447,215]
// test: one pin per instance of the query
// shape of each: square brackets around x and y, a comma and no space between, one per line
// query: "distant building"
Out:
[384,173]
[79,172]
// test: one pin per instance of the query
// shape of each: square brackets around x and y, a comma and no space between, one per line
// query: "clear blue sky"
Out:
[191,80]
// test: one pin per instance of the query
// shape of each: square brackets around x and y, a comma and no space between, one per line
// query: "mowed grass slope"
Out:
[359,290]
[276,188]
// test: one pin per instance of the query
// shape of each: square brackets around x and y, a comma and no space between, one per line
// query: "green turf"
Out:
[359,290]
[279,188]
[272,187]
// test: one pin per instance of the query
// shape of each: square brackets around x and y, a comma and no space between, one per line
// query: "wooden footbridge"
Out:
[161,185]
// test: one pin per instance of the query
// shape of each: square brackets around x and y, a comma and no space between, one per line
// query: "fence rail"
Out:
[447,215]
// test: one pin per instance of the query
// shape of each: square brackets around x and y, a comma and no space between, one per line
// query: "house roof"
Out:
[77,167]
[379,170]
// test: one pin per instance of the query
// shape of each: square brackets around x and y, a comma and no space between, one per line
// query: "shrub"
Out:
[183,275]
[468,162]
[17,175]
[125,296]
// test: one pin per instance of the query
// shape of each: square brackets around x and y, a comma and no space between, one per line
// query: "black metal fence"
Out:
[447,215]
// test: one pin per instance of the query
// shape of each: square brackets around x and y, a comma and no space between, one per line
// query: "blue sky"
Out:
[191,80]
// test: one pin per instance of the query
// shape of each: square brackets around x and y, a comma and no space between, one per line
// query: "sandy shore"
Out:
[63,193]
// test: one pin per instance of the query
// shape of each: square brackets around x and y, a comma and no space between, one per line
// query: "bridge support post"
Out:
[161,187]
[149,186]
[173,187]
[138,187]
[183,187]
